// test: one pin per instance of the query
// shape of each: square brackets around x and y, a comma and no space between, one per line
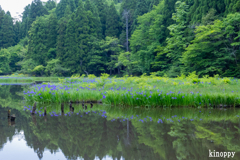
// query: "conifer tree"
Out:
[16,29]
[76,3]
[1,16]
[36,10]
[51,35]
[50,5]
[82,37]
[61,7]
[37,49]
[72,5]
[61,30]
[25,21]
[7,36]
[69,58]
[95,19]
[141,8]
[102,10]
[112,22]
[2,13]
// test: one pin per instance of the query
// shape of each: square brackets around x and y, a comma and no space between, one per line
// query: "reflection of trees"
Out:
[10,95]
[189,140]
[87,136]
[223,133]
[6,130]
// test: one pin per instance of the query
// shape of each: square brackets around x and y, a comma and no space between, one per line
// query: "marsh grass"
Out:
[147,92]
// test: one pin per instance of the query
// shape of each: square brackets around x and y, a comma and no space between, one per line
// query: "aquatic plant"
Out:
[141,91]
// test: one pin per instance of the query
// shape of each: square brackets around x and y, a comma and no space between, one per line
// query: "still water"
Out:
[113,133]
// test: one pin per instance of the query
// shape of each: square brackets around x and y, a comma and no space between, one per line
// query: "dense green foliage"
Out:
[134,37]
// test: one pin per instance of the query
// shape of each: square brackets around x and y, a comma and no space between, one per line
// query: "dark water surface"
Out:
[111,133]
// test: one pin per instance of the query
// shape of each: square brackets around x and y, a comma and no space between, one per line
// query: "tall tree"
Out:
[69,58]
[7,36]
[17,29]
[61,31]
[82,37]
[95,18]
[177,43]
[102,10]
[112,22]
[50,4]
[25,21]
[142,7]
[36,10]
[37,49]
[52,35]
[42,39]
[61,7]
[147,39]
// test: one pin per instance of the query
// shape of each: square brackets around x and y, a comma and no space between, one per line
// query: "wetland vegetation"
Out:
[145,91]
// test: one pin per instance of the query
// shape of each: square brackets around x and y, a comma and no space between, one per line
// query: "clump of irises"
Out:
[138,92]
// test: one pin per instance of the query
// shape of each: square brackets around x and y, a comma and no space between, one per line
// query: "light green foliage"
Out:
[91,76]
[125,59]
[145,39]
[38,70]
[112,49]
[54,68]
[27,66]
[213,46]
[177,43]
[4,61]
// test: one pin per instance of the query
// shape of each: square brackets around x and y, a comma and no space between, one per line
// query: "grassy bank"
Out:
[141,91]
[12,79]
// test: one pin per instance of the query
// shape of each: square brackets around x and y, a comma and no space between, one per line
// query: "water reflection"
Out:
[97,132]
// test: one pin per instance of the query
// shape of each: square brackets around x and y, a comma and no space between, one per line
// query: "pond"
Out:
[104,132]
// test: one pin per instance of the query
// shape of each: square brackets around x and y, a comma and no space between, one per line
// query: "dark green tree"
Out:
[61,7]
[142,7]
[52,35]
[61,31]
[7,35]
[16,29]
[69,57]
[112,22]
[102,10]
[82,34]
[36,10]
[95,17]
[50,4]
[25,21]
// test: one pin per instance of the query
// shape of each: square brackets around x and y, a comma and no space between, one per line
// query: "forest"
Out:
[122,37]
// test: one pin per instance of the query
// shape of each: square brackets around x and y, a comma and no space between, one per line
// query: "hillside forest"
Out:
[122,37]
